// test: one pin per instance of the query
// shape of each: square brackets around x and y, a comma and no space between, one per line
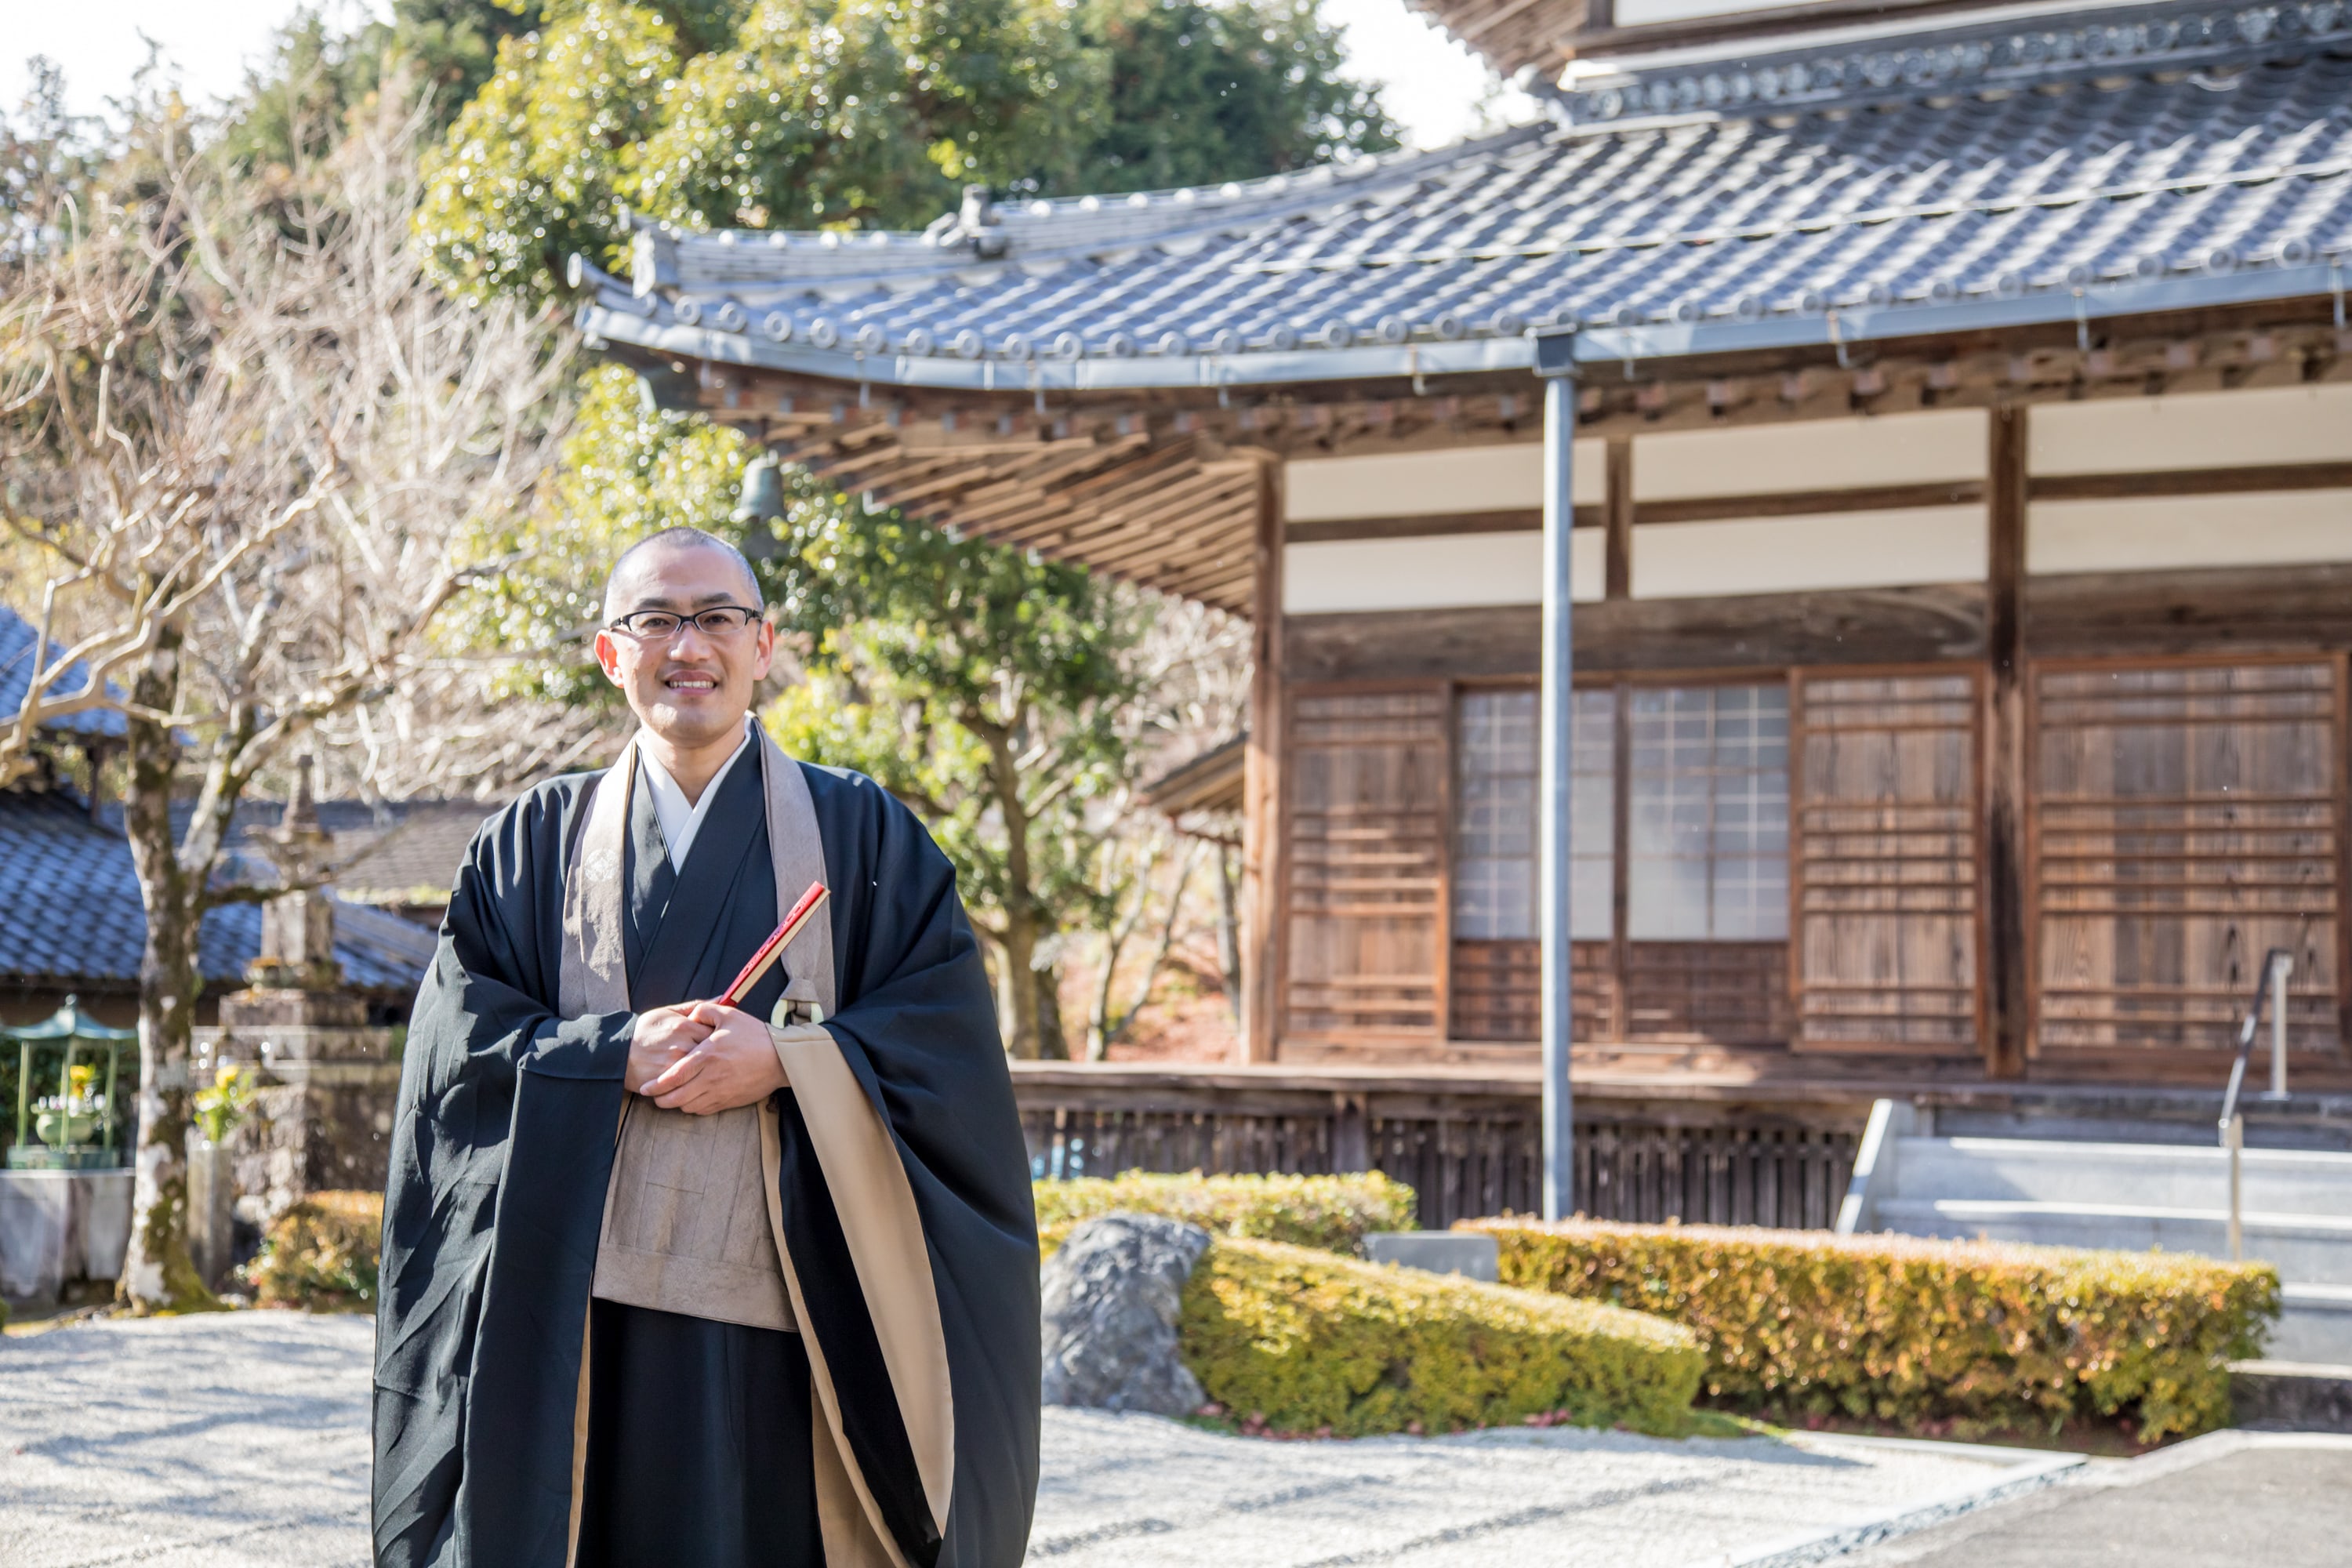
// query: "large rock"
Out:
[1111,1295]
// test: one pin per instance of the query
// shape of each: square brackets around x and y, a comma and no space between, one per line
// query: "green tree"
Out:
[625,470]
[1202,93]
[859,113]
[294,107]
[995,692]
[992,692]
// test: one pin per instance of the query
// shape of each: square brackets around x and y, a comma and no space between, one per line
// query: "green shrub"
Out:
[321,1254]
[1328,1213]
[1906,1329]
[1303,1340]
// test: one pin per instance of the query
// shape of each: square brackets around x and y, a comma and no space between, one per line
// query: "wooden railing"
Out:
[1466,1142]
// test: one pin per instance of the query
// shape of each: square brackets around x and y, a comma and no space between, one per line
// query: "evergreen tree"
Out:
[865,113]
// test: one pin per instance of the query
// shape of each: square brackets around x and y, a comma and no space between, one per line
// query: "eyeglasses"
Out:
[660,626]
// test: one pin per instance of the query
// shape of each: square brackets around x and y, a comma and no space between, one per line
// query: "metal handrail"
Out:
[2270,985]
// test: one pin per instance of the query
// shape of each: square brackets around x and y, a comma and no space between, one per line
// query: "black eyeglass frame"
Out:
[623,624]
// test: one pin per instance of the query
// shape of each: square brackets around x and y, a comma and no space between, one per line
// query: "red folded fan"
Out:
[770,950]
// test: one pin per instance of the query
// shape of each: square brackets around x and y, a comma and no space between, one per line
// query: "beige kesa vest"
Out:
[693,1219]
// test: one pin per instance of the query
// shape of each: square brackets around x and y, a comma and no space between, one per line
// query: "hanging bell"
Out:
[760,505]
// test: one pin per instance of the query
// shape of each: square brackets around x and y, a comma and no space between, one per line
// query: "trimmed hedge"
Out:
[1908,1329]
[321,1255]
[1328,1213]
[1297,1340]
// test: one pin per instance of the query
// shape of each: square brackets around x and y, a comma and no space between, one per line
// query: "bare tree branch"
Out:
[259,457]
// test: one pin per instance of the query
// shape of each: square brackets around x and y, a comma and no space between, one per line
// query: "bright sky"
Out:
[1435,88]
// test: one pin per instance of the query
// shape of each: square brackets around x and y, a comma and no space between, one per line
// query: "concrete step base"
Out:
[59,1226]
[2291,1396]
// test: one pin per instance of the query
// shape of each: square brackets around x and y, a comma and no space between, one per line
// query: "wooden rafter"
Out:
[1129,480]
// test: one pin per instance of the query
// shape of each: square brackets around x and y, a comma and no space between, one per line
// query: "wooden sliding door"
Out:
[1367,779]
[2185,820]
[1885,888]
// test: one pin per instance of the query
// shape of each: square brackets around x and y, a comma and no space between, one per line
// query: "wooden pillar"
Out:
[1617,574]
[1617,516]
[2344,848]
[1620,866]
[2007,978]
[1263,850]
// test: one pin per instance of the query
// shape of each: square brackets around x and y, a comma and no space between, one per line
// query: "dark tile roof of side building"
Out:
[70,915]
[2112,158]
[391,852]
[17,636]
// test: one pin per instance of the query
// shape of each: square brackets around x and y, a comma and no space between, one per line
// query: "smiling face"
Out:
[692,690]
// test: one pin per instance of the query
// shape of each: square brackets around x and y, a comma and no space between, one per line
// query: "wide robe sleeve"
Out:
[461,1365]
[918,1027]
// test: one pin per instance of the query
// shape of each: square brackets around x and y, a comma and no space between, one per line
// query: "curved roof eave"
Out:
[1534,351]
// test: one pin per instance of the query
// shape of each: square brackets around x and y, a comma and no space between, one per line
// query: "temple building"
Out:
[1948,581]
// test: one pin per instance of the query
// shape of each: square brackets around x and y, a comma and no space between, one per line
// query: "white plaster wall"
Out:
[1811,455]
[2207,431]
[2277,528]
[1451,571]
[1433,484]
[1785,555]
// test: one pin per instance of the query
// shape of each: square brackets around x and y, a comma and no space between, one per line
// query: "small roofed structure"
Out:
[1208,784]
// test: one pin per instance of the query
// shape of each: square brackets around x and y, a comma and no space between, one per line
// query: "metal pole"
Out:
[2237,1143]
[1553,869]
[2279,973]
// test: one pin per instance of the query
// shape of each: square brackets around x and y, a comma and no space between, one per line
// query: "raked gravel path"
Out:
[239,1440]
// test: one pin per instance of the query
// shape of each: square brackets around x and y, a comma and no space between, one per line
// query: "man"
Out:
[670,1284]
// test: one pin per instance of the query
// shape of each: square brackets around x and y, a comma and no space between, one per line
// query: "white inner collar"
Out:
[681,819]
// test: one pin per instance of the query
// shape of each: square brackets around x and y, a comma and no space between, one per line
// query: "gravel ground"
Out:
[240,1440]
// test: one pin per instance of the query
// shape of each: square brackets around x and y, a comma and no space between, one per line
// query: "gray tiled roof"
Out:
[390,851]
[70,914]
[2056,170]
[16,639]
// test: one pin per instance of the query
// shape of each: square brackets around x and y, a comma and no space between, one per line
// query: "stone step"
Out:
[2306,1248]
[2312,1254]
[2280,1181]
[2316,1326]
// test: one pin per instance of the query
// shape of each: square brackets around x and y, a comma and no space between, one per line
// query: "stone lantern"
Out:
[328,1080]
[297,926]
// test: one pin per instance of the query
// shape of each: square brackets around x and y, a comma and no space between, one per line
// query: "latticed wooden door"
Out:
[2185,819]
[1884,887]
[1366,819]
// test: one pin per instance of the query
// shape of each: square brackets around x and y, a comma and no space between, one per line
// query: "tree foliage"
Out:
[994,691]
[861,114]
[626,470]
[297,104]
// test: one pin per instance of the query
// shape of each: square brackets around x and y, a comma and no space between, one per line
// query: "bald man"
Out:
[671,1283]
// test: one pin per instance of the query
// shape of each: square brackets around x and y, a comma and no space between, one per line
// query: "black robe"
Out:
[503,1148]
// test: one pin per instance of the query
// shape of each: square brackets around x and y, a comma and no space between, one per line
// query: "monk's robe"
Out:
[886,1415]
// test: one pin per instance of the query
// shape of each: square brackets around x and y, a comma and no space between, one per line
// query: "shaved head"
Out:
[690,685]
[621,587]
